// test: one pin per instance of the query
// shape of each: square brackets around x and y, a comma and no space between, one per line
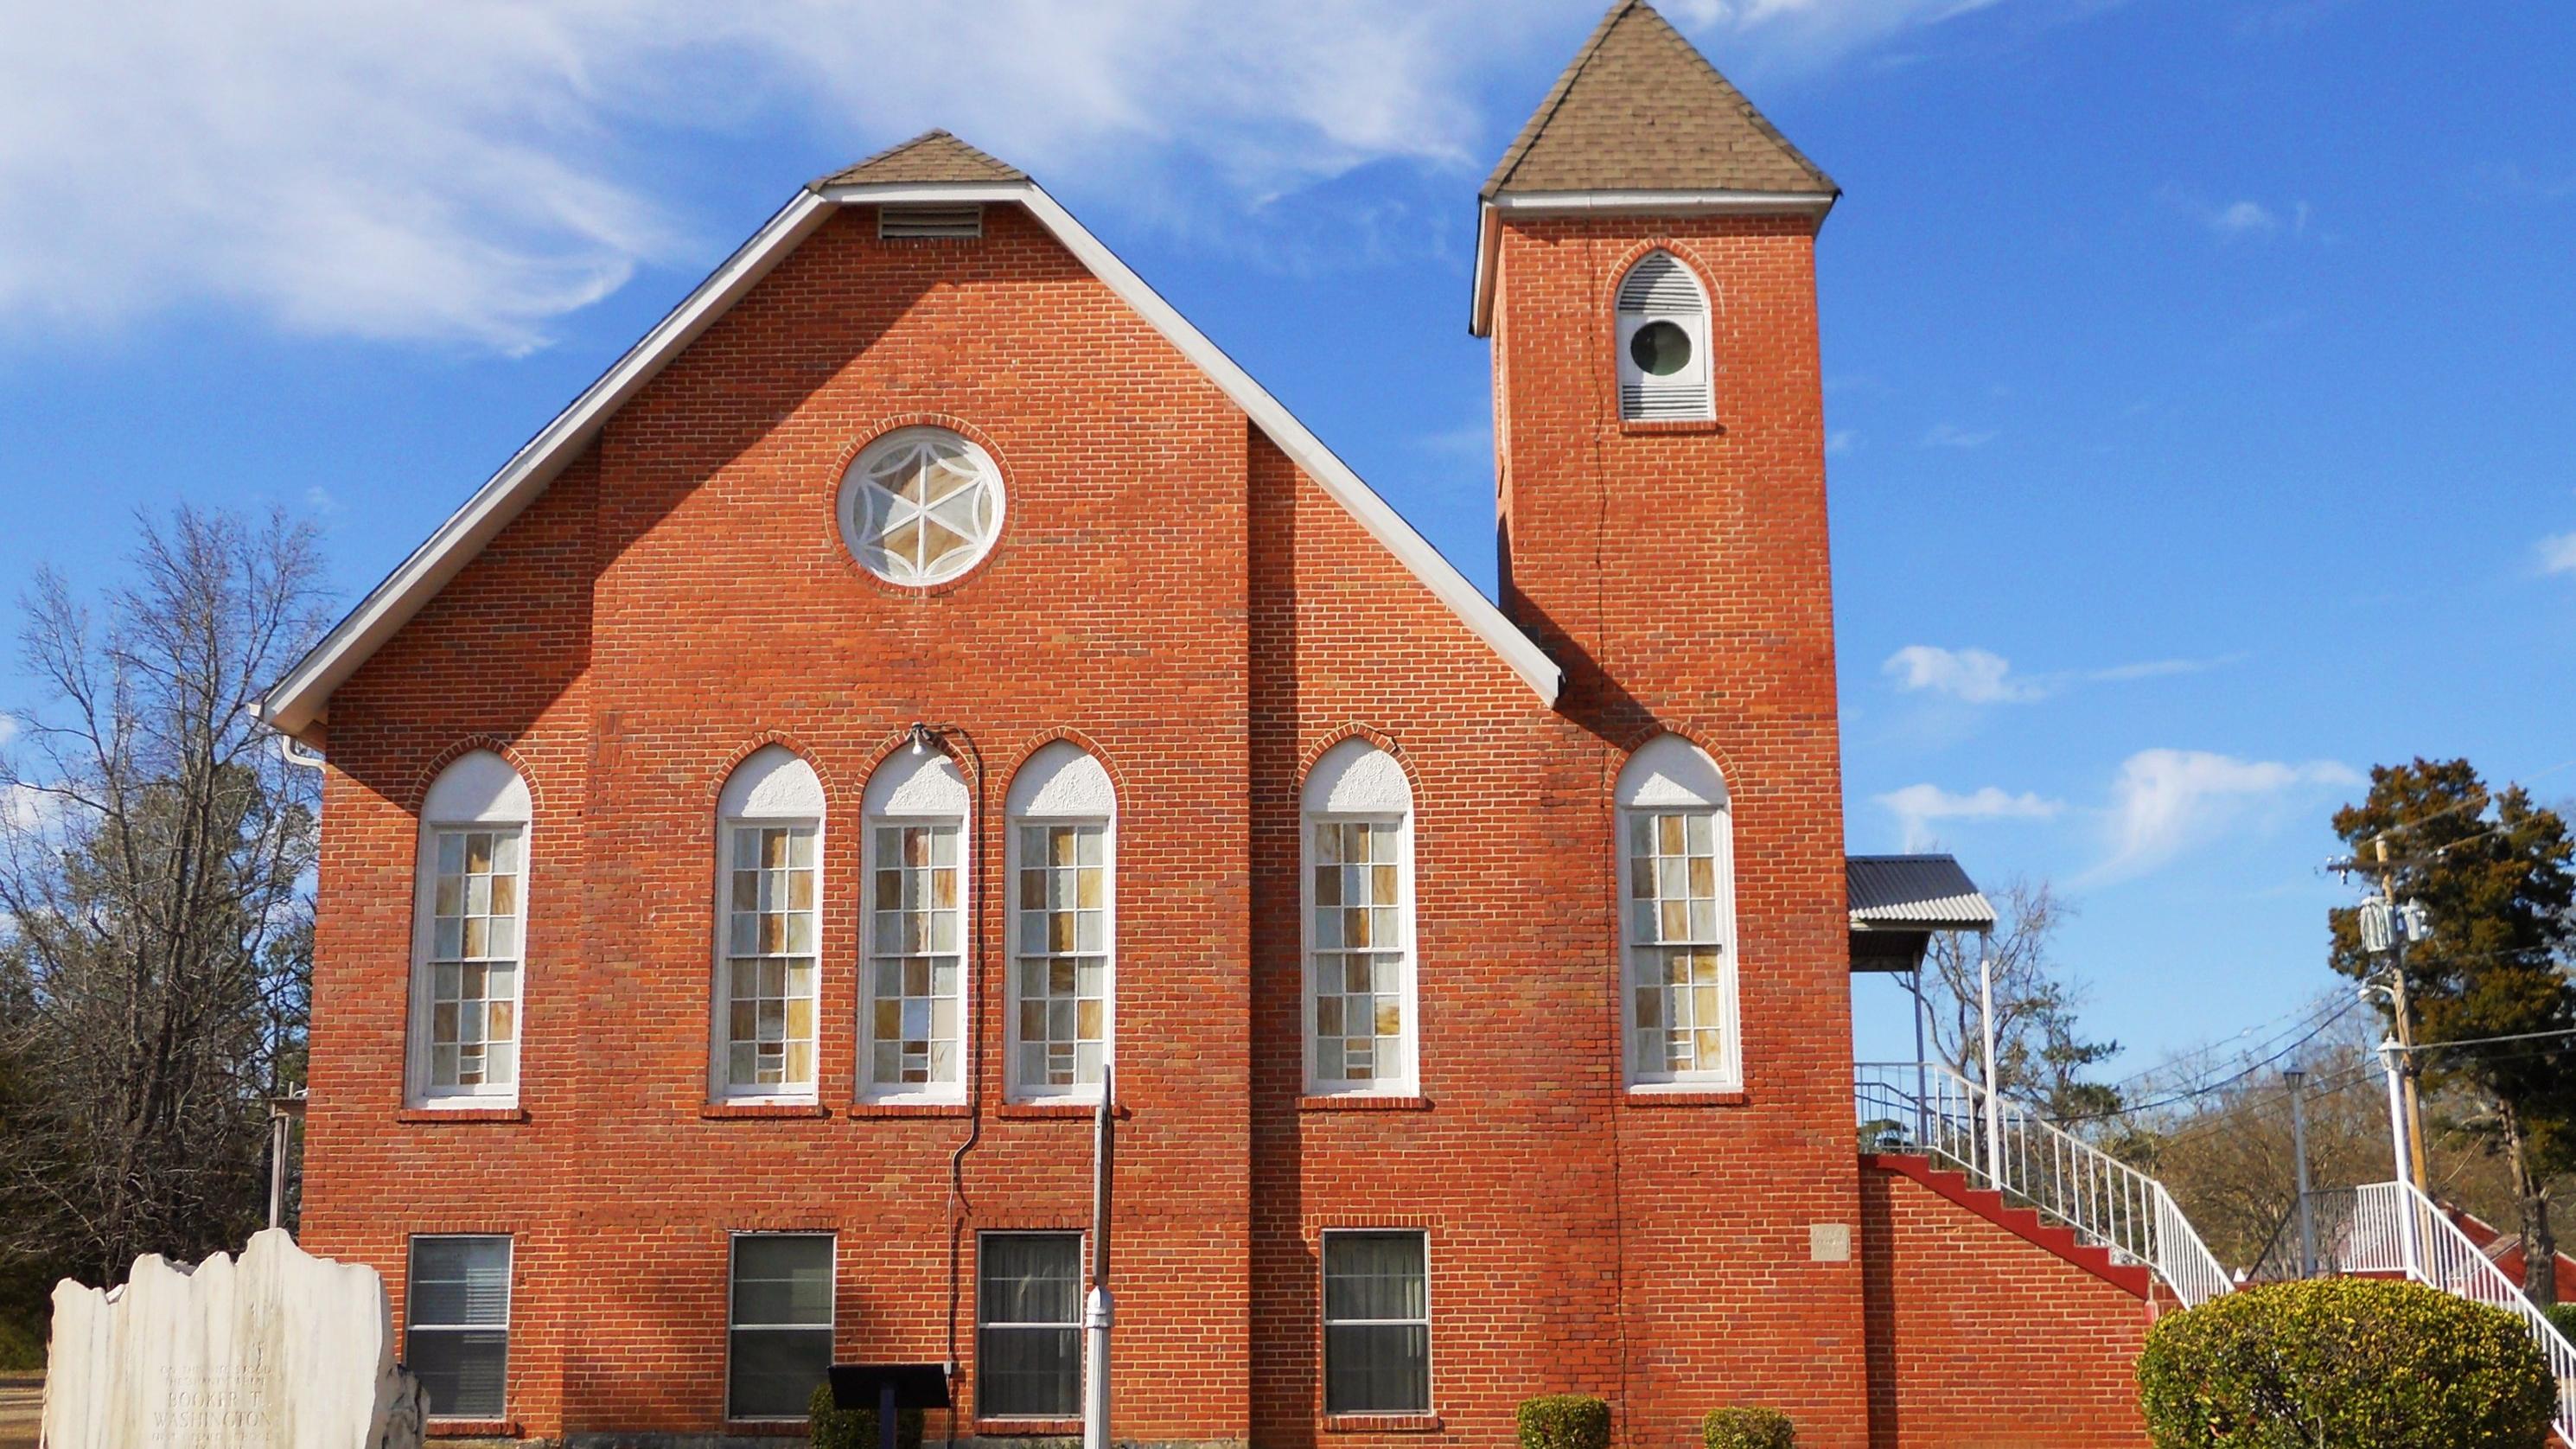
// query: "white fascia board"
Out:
[1308,452]
[1480,322]
[302,696]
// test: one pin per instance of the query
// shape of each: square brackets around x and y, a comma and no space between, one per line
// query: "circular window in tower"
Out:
[921,506]
[1660,349]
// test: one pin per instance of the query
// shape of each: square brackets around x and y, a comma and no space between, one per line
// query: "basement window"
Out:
[1377,1323]
[1029,1326]
[459,1319]
[779,1339]
[922,223]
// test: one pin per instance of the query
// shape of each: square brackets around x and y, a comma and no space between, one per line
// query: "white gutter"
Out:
[1480,321]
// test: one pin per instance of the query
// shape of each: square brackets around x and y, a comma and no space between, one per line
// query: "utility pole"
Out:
[2405,1014]
[2299,1149]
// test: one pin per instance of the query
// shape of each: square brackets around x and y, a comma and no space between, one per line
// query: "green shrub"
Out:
[2562,1316]
[1564,1421]
[2344,1361]
[1747,1429]
[834,1427]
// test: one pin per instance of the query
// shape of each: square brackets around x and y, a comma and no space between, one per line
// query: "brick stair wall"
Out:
[1988,1326]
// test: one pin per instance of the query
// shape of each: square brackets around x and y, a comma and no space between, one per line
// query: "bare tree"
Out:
[156,855]
[2041,1053]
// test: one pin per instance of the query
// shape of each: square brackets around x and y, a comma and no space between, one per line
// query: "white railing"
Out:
[1926,1107]
[2395,1229]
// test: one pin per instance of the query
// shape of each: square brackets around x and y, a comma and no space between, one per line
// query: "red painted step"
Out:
[2025,1223]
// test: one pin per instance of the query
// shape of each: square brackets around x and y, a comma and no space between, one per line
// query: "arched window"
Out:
[469,932]
[1063,944]
[1677,891]
[769,828]
[1663,342]
[1360,1014]
[913,987]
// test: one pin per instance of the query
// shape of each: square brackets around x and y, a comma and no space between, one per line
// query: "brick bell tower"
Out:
[1646,272]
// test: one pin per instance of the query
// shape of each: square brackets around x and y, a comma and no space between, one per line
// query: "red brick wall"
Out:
[1979,1336]
[1173,591]
[1680,573]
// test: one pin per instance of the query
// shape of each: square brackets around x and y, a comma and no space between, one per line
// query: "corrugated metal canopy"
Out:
[1914,893]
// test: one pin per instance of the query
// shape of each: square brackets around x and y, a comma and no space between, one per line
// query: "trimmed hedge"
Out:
[1564,1421]
[834,1427]
[1747,1429]
[2336,1361]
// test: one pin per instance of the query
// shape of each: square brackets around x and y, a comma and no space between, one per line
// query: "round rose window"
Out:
[921,506]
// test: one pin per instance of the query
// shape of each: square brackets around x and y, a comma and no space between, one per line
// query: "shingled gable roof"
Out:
[932,156]
[1640,123]
[934,167]
[1640,109]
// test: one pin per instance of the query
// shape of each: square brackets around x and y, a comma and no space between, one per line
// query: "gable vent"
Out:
[1659,285]
[913,223]
[1663,342]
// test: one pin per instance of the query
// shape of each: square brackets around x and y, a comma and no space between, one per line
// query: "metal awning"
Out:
[1898,901]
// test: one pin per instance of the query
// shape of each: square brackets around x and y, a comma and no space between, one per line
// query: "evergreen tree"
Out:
[2493,871]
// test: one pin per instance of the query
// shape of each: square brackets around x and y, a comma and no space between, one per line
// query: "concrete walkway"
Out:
[22,1398]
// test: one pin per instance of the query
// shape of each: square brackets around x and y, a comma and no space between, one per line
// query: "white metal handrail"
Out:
[2395,1229]
[1928,1108]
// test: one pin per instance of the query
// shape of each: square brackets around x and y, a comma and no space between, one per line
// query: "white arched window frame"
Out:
[469,936]
[1662,336]
[1060,1011]
[1677,921]
[916,943]
[1362,1017]
[768,930]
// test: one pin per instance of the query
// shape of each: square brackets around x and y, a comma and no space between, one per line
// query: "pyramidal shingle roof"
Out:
[931,156]
[1640,109]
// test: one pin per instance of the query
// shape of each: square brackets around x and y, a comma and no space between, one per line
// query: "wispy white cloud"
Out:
[2166,801]
[2160,668]
[1951,435]
[321,500]
[2243,220]
[1981,676]
[1974,676]
[471,171]
[2511,179]
[1845,441]
[1918,808]
[26,809]
[2558,554]
[1807,33]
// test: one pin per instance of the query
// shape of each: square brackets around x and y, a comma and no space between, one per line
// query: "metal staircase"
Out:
[2388,1229]
[1924,1107]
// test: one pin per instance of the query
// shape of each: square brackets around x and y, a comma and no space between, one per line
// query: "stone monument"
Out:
[274,1350]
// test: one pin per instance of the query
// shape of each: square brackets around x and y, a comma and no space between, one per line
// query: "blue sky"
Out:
[2199,378]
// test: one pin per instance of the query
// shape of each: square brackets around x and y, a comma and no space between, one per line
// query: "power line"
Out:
[2222,1084]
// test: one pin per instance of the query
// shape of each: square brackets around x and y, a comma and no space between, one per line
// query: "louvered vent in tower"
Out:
[1663,342]
[913,223]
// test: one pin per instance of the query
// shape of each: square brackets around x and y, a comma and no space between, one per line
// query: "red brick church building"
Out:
[926,670]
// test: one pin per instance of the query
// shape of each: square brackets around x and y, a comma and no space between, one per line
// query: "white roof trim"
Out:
[1489,239]
[300,698]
